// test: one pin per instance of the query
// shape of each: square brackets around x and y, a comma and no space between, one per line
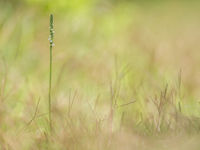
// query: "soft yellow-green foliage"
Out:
[72,6]
[125,74]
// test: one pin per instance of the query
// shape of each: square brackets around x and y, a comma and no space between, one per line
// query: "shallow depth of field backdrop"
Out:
[126,75]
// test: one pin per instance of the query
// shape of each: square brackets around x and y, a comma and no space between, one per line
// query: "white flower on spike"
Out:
[51,36]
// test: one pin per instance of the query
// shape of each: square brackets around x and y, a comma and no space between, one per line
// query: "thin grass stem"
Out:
[50,68]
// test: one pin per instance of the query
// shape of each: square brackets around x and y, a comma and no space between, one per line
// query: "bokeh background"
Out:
[124,72]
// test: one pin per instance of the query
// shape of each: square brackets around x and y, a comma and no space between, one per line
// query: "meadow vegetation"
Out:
[125,75]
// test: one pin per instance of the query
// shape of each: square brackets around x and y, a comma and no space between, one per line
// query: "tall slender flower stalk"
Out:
[51,37]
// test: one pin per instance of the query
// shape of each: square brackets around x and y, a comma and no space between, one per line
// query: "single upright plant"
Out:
[51,37]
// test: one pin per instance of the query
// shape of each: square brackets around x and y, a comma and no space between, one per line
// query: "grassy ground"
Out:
[125,75]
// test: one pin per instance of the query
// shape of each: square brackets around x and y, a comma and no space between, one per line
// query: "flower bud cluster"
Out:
[51,36]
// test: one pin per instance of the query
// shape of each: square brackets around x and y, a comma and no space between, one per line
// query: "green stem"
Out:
[50,78]
[50,68]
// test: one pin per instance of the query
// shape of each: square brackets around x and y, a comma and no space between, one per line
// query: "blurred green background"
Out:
[132,48]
